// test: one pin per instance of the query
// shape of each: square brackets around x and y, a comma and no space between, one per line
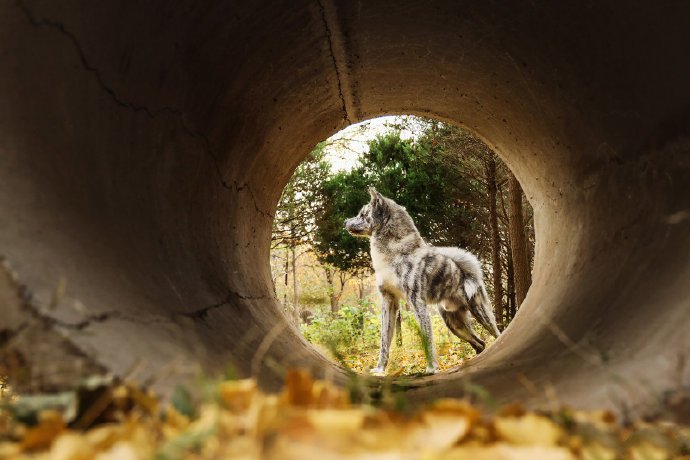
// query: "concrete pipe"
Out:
[144,146]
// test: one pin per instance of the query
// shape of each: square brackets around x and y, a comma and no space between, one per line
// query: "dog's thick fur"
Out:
[408,268]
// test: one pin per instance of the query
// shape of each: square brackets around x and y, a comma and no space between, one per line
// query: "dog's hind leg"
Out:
[389,313]
[422,316]
[460,324]
[398,328]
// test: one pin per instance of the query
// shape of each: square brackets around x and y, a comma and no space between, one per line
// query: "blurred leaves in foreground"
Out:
[313,419]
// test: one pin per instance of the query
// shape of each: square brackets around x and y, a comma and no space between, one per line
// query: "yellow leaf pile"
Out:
[316,420]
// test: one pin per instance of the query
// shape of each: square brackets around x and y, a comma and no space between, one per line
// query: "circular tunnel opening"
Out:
[457,191]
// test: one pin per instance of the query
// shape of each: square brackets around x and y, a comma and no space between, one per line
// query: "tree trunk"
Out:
[518,242]
[360,286]
[287,270]
[510,306]
[497,274]
[295,295]
[342,277]
[332,297]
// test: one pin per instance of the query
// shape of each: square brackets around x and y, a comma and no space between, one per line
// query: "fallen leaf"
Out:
[50,425]
[237,395]
[647,451]
[104,436]
[336,421]
[504,452]
[71,446]
[143,399]
[298,388]
[175,422]
[10,449]
[597,451]
[121,451]
[327,395]
[530,429]
[437,431]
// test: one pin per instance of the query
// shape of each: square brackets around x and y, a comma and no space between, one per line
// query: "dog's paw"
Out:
[431,370]
[377,371]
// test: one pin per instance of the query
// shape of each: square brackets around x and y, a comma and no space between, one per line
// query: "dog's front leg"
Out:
[424,321]
[389,312]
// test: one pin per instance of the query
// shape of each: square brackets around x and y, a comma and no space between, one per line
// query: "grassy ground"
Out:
[353,336]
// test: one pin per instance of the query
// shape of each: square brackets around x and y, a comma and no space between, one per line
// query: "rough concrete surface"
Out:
[144,146]
[35,356]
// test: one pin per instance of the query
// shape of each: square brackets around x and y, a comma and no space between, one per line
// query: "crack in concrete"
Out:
[83,324]
[36,314]
[85,63]
[90,320]
[8,333]
[247,187]
[202,313]
[151,113]
[329,38]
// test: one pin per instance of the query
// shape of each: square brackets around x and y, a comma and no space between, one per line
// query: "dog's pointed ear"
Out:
[375,196]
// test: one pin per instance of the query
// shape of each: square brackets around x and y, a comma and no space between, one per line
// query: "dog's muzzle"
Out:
[352,227]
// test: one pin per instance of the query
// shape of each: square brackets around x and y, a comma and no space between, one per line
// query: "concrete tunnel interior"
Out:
[144,146]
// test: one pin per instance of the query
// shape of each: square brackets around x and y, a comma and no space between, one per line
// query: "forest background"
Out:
[458,192]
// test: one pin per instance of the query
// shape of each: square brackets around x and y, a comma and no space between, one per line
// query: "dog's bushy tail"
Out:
[480,305]
[477,299]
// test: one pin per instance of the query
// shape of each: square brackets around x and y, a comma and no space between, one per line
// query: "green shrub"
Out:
[353,327]
[353,335]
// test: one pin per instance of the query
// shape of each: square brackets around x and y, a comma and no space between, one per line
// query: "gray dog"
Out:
[408,268]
